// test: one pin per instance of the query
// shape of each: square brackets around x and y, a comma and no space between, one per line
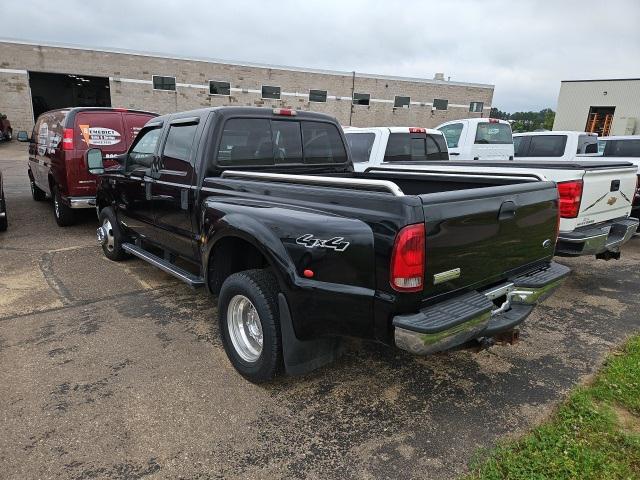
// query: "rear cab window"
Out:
[415,147]
[266,142]
[622,148]
[360,145]
[493,133]
[547,146]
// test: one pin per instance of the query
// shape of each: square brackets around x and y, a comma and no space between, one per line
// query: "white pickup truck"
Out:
[478,139]
[595,194]
[554,145]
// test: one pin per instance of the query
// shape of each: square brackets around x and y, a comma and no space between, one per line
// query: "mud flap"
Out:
[303,356]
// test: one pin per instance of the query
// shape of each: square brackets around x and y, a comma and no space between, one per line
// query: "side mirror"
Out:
[93,159]
[22,136]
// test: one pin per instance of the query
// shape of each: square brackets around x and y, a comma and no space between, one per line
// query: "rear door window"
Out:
[452,134]
[246,141]
[622,148]
[322,143]
[547,146]
[493,133]
[103,130]
[360,145]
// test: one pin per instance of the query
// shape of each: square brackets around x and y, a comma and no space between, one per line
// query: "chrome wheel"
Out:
[56,206]
[105,236]
[245,328]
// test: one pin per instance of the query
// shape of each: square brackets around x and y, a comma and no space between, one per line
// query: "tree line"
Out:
[527,121]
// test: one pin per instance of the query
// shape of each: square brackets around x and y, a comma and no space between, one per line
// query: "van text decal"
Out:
[99,135]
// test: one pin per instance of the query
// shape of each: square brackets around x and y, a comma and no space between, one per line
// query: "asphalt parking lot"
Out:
[115,370]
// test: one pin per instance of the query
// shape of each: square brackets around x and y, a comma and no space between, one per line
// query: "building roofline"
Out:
[602,80]
[243,64]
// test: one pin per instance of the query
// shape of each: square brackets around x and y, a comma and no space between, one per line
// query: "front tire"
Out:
[114,238]
[64,215]
[249,323]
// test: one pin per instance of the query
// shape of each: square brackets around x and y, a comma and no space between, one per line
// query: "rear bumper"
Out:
[474,314]
[593,240]
[80,202]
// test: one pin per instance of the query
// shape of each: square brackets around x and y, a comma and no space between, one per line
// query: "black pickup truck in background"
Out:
[263,208]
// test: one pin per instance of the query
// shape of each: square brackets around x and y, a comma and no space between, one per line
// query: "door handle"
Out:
[507,211]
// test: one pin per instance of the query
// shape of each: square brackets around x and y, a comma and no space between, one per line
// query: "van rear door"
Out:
[492,141]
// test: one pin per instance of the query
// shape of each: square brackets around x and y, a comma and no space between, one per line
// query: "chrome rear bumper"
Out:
[81,202]
[594,240]
[475,314]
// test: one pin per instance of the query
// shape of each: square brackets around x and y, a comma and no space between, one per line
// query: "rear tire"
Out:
[249,323]
[114,237]
[65,216]
[37,194]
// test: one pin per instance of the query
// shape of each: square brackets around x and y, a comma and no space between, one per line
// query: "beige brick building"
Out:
[37,77]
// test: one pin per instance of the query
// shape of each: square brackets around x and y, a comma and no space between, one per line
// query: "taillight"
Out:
[417,130]
[407,259]
[570,194]
[67,139]
[287,112]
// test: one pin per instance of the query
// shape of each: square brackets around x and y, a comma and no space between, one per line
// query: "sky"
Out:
[523,47]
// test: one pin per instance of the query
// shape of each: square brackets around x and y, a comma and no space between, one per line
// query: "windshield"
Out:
[493,133]
[360,145]
[622,148]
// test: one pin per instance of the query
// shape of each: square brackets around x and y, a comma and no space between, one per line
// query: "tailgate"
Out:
[606,194]
[487,233]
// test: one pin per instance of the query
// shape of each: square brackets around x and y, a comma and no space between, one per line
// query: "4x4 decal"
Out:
[336,243]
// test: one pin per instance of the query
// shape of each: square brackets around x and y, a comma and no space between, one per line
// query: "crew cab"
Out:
[262,208]
[478,139]
[56,148]
[554,145]
[373,146]
[3,207]
[595,193]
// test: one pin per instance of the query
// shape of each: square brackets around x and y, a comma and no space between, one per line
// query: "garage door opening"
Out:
[58,90]
[599,120]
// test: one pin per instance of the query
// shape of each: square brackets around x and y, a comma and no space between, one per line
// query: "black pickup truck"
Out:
[263,208]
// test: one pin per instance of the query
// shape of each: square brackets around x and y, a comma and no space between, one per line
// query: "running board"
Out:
[189,278]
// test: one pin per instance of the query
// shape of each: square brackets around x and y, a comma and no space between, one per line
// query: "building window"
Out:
[361,98]
[401,102]
[476,107]
[440,104]
[271,92]
[318,96]
[164,83]
[219,88]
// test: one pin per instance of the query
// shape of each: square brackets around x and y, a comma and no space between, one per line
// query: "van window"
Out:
[143,149]
[100,129]
[622,148]
[547,146]
[452,133]
[493,133]
[246,141]
[322,143]
[287,141]
[360,145]
[436,148]
[179,143]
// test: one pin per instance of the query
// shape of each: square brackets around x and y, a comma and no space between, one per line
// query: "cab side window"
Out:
[143,149]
